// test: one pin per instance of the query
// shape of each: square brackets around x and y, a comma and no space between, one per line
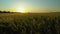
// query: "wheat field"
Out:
[31,23]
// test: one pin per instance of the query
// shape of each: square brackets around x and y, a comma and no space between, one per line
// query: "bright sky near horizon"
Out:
[30,5]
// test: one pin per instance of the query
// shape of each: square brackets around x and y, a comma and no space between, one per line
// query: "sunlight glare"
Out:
[21,9]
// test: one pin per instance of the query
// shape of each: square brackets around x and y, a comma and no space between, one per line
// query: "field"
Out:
[31,23]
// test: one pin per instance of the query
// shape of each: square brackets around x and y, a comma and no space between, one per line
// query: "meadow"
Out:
[29,23]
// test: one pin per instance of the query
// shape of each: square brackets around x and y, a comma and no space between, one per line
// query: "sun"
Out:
[21,9]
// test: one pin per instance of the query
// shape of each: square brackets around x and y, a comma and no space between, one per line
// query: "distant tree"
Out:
[0,11]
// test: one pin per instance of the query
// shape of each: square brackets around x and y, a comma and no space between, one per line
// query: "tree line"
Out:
[4,11]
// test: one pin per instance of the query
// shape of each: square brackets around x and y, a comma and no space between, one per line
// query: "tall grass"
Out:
[29,24]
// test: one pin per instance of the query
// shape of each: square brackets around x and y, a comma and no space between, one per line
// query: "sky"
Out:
[31,5]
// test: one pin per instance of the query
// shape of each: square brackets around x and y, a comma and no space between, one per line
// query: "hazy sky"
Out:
[32,5]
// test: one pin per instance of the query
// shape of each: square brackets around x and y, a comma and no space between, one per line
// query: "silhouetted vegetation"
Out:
[4,11]
[29,24]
